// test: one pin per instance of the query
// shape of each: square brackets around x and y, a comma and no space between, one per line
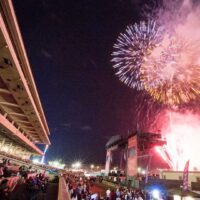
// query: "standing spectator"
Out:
[113,195]
[108,194]
[1,171]
[118,194]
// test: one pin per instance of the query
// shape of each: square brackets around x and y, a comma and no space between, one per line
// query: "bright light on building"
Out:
[97,167]
[139,169]
[36,161]
[143,171]
[5,148]
[177,197]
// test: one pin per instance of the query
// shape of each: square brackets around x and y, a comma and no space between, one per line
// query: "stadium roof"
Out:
[19,100]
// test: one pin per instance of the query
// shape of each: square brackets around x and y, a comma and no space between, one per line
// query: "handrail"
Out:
[63,193]
[12,182]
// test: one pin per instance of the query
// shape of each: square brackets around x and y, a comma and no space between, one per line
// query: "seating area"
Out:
[20,160]
[14,178]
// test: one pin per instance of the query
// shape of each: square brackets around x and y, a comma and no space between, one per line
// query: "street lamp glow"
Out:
[76,165]
[92,166]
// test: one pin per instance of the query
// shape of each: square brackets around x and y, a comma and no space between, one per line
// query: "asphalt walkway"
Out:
[52,192]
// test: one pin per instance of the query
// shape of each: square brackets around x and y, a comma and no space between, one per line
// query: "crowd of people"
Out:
[81,188]
[125,194]
[34,186]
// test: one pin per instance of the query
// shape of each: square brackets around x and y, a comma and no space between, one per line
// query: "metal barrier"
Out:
[12,182]
[31,175]
[63,193]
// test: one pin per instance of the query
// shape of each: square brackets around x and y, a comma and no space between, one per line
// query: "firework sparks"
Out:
[171,74]
[131,50]
[182,136]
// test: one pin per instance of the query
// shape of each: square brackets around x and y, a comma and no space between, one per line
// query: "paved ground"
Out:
[52,192]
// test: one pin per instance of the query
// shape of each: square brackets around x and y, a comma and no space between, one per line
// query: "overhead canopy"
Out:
[113,140]
[19,100]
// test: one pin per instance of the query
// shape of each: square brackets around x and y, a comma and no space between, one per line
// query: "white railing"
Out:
[63,193]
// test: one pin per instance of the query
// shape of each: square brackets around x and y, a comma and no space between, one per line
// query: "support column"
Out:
[108,161]
[2,143]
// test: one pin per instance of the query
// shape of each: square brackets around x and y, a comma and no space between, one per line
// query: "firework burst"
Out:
[131,50]
[171,74]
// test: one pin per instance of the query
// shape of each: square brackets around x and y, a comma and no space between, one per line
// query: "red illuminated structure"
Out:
[136,148]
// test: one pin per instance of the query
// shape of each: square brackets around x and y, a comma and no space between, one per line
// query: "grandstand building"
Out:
[22,120]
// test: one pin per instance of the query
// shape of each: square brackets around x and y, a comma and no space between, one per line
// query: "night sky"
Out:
[69,45]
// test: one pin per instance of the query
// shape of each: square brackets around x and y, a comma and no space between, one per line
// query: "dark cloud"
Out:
[46,54]
[86,128]
[67,124]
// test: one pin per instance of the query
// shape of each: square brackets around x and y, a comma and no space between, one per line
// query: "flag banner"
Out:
[132,156]
[185,176]
[146,174]
[108,161]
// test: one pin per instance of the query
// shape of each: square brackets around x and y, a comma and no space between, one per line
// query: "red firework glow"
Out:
[183,135]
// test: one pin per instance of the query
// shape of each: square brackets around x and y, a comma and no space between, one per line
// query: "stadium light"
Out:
[57,164]
[76,165]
